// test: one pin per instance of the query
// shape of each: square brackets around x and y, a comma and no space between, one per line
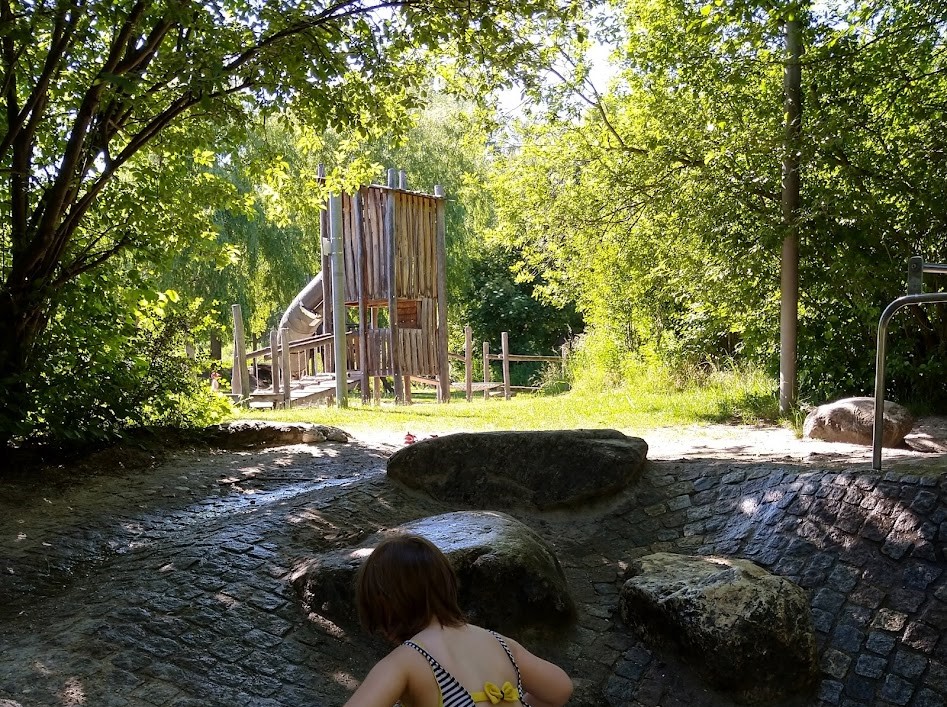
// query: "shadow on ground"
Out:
[169,586]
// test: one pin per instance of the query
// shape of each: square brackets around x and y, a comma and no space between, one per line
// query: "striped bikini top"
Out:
[453,693]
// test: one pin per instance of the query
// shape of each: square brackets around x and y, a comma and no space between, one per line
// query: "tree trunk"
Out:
[215,346]
[789,264]
[23,317]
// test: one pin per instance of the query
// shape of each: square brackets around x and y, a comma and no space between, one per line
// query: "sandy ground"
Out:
[927,441]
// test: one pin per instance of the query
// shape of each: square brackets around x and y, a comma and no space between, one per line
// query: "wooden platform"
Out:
[304,391]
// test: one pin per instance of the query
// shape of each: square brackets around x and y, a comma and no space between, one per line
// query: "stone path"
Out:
[170,588]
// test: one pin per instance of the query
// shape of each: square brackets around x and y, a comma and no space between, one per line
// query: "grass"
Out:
[649,402]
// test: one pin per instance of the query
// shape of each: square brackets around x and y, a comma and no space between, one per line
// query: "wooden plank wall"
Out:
[416,273]
[379,355]
[373,245]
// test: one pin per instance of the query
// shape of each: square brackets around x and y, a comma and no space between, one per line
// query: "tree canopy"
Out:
[104,102]
[157,148]
[655,201]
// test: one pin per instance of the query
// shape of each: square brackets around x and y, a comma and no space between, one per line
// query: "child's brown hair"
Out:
[403,585]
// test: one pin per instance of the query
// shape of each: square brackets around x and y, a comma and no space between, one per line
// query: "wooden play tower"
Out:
[377,310]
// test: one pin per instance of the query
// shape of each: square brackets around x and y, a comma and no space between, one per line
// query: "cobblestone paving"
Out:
[170,587]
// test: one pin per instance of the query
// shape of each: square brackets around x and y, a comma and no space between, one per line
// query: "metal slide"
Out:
[302,317]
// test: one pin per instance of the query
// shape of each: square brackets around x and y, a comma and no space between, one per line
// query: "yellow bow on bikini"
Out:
[495,694]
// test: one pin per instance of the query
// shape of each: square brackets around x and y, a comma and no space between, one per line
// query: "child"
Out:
[407,593]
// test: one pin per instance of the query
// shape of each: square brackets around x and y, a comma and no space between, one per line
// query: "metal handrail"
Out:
[916,267]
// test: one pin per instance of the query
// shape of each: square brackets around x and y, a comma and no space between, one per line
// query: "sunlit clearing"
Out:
[749,506]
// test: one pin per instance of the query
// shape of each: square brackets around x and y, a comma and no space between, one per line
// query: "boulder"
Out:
[547,469]
[509,578]
[259,433]
[852,420]
[746,631]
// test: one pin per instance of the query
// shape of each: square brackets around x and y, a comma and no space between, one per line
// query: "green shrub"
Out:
[107,366]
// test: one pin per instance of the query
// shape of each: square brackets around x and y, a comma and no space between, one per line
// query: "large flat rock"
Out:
[852,420]
[746,631]
[545,469]
[509,577]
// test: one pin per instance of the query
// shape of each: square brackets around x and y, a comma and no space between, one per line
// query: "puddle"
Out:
[237,500]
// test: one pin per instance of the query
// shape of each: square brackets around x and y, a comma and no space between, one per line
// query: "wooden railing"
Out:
[314,355]
[506,358]
[300,358]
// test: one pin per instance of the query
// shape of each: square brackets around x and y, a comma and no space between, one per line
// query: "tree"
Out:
[248,256]
[95,89]
[789,261]
[639,201]
[656,203]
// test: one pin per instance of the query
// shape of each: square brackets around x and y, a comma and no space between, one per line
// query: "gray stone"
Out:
[509,578]
[545,469]
[260,433]
[852,420]
[746,631]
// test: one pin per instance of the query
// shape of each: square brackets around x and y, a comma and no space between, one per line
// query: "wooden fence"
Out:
[506,358]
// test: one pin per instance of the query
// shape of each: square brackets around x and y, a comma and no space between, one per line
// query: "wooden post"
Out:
[274,360]
[505,343]
[240,380]
[565,362]
[468,362]
[402,180]
[339,340]
[407,390]
[360,286]
[284,366]
[377,346]
[791,206]
[326,260]
[443,361]
[391,247]
[236,385]
[486,370]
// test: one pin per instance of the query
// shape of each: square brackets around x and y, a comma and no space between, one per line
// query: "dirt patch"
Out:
[927,441]
[764,443]
[143,450]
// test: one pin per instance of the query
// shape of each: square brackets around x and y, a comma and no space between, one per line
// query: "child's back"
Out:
[462,661]
[407,593]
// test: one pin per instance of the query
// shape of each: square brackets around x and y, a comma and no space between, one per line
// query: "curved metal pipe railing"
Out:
[890,310]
